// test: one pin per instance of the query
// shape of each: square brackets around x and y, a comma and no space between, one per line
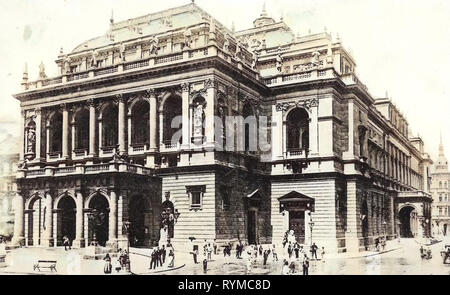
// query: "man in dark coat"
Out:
[163,254]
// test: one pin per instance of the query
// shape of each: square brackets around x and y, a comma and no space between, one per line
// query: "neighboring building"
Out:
[440,190]
[8,170]
[338,167]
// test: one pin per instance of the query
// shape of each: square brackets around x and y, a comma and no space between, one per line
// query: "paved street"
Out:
[399,259]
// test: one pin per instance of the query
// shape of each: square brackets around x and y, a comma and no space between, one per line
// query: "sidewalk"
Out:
[392,245]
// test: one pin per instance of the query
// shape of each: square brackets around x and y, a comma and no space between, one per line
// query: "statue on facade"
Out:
[122,51]
[254,60]
[315,58]
[279,62]
[153,45]
[31,140]
[187,38]
[42,74]
[198,120]
[226,45]
[238,48]
[117,158]
[94,59]
[66,66]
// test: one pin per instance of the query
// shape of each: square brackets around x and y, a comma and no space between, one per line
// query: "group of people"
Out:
[158,256]
[123,261]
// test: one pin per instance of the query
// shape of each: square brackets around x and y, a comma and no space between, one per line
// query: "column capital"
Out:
[63,106]
[120,98]
[38,111]
[184,87]
[210,83]
[151,92]
[90,102]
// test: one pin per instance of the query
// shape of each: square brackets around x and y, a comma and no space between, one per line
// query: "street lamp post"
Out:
[311,225]
[126,228]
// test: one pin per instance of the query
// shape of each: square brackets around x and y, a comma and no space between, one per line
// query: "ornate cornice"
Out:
[306,104]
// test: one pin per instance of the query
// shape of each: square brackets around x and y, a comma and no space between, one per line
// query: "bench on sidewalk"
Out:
[50,264]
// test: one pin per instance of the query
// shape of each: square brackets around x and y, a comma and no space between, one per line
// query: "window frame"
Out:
[201,189]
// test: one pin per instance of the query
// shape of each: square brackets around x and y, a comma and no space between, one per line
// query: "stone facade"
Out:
[440,190]
[100,132]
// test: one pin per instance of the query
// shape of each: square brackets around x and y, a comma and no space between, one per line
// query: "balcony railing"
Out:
[296,153]
[169,146]
[79,153]
[136,149]
[86,169]
[107,151]
[53,156]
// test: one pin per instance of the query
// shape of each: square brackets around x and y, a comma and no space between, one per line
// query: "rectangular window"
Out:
[196,196]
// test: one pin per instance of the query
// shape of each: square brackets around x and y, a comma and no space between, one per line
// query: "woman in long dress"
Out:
[108,267]
[171,258]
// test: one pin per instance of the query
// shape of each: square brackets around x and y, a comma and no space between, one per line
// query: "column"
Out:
[313,131]
[65,132]
[79,239]
[185,114]
[153,123]
[38,133]
[48,220]
[209,112]
[112,238]
[18,219]
[353,218]
[92,126]
[22,135]
[121,125]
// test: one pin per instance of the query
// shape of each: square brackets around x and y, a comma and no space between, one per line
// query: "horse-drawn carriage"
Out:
[446,254]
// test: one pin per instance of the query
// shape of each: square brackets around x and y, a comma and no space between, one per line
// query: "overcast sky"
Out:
[402,47]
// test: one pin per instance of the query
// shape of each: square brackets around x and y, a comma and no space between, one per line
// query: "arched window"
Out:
[297,130]
[109,126]
[55,139]
[140,130]
[82,130]
[172,110]
[250,128]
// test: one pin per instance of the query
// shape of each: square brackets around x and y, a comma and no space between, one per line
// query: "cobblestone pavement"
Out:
[403,258]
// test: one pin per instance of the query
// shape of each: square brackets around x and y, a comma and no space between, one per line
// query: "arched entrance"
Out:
[66,220]
[139,217]
[408,222]
[35,221]
[98,218]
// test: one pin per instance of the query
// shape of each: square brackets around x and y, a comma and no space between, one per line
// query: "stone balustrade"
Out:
[292,78]
[85,169]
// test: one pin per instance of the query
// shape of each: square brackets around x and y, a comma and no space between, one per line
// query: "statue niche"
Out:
[198,110]
[31,140]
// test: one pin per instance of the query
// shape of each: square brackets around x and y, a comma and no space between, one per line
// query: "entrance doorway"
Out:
[251,227]
[139,227]
[99,219]
[66,219]
[297,224]
[36,221]
[408,220]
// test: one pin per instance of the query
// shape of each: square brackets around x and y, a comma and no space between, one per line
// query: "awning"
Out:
[295,201]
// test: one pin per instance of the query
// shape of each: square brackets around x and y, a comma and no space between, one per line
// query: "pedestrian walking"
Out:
[163,254]
[292,267]
[171,260]
[152,259]
[215,247]
[296,250]
[314,251]
[205,265]
[260,250]
[108,267]
[209,250]
[265,256]
[249,263]
[66,243]
[274,253]
[305,265]
[289,250]
[195,254]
